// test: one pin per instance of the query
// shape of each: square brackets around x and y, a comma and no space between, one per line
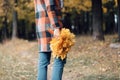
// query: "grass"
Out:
[17,60]
[87,60]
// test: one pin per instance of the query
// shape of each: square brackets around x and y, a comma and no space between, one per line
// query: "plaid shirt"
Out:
[48,17]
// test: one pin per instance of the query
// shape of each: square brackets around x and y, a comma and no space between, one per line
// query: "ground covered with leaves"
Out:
[87,60]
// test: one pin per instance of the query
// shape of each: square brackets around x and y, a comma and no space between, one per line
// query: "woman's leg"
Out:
[44,61]
[58,69]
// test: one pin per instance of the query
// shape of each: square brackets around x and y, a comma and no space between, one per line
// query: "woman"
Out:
[48,25]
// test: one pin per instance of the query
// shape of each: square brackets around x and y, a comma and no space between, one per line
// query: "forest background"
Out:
[92,17]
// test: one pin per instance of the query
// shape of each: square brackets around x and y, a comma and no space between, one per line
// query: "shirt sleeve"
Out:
[53,12]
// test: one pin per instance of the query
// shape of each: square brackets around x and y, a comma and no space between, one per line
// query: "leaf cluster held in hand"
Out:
[61,45]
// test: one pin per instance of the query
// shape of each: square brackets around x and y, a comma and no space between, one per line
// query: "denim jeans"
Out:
[44,61]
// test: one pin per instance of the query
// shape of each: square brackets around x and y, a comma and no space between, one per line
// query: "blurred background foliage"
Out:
[17,18]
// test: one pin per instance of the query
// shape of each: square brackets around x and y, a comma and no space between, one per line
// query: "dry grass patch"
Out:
[87,60]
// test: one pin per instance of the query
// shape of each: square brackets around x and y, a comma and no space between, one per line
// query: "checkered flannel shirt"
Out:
[48,17]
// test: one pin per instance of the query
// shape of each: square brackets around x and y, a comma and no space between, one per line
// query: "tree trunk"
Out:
[14,34]
[14,30]
[4,30]
[119,19]
[97,20]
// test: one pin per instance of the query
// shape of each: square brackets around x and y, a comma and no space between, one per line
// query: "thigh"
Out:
[44,58]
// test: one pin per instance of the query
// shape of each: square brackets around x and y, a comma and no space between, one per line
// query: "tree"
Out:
[109,17]
[5,8]
[119,19]
[79,5]
[26,14]
[17,11]
[97,20]
[14,27]
[75,9]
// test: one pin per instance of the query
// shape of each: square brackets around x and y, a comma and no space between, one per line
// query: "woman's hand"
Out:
[57,32]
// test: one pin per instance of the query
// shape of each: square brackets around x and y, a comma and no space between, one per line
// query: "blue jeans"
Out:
[44,61]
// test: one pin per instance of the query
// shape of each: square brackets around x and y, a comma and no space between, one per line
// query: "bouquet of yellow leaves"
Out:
[61,45]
